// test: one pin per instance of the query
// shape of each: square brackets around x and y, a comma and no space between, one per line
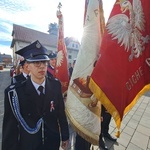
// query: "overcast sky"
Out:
[39,14]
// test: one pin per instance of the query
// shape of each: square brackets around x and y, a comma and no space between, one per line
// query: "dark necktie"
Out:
[27,76]
[40,88]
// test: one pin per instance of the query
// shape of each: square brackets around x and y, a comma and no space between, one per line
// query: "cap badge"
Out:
[38,45]
[31,55]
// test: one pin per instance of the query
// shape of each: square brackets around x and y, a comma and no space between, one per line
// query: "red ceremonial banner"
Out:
[61,70]
[122,73]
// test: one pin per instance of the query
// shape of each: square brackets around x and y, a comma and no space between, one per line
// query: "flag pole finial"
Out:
[59,6]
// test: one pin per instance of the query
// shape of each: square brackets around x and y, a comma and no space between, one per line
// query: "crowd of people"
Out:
[34,108]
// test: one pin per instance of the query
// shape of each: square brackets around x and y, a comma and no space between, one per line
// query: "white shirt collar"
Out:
[37,85]
[52,66]
[24,74]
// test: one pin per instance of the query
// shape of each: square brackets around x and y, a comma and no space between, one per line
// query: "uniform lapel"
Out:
[48,94]
[35,98]
[32,95]
[22,77]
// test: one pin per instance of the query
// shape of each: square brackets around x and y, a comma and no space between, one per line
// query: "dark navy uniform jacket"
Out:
[18,78]
[50,71]
[14,137]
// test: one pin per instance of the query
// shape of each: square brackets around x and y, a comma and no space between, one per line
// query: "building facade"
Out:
[22,36]
[5,59]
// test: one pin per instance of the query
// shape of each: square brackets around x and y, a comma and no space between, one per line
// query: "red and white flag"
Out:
[122,73]
[81,106]
[61,70]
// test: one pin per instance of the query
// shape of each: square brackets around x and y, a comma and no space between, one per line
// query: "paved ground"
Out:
[4,82]
[135,129]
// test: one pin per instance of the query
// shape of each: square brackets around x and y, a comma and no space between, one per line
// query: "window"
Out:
[69,56]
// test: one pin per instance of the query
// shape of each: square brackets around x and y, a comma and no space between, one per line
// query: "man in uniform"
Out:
[34,112]
[25,72]
[52,64]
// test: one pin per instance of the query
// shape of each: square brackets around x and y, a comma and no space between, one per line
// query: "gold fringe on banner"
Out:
[100,95]
[85,134]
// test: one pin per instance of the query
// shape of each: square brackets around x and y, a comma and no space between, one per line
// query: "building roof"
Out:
[28,35]
[3,56]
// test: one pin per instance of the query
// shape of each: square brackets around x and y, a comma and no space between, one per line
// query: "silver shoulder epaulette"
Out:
[56,79]
[11,86]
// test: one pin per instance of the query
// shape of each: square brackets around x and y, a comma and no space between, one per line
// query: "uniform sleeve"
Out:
[62,118]
[13,80]
[10,127]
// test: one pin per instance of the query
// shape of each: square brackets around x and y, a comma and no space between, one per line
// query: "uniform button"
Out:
[29,114]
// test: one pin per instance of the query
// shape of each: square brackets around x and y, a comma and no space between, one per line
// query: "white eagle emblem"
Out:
[60,58]
[128,30]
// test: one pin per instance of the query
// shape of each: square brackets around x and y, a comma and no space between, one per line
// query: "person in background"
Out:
[71,68]
[105,121]
[19,69]
[34,111]
[81,144]
[12,71]
[106,118]
[52,64]
[24,74]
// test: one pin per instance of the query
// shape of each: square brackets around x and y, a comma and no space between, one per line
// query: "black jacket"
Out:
[50,71]
[18,78]
[14,137]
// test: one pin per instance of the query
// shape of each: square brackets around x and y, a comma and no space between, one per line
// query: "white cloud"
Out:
[5,50]
[6,33]
[5,37]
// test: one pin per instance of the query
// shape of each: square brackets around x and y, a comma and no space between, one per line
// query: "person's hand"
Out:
[64,144]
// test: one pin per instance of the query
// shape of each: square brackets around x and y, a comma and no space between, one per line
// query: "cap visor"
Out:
[38,58]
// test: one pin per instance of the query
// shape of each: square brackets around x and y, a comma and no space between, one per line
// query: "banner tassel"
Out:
[118,134]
